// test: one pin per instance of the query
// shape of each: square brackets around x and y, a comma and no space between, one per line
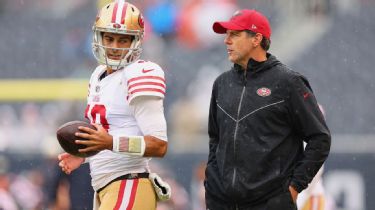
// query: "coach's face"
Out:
[239,47]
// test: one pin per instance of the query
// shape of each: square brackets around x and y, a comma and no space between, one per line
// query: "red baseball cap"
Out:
[245,20]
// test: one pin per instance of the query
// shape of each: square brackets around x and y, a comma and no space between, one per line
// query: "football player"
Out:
[125,104]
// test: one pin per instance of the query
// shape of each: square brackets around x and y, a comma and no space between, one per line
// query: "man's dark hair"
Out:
[265,43]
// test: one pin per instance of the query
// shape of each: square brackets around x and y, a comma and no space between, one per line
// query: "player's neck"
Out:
[109,71]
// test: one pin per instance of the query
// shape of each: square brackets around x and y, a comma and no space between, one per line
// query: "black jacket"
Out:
[258,121]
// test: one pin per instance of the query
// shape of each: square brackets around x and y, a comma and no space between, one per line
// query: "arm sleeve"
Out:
[309,123]
[149,113]
[213,131]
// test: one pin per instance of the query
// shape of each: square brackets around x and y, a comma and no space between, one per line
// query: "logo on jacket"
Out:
[306,95]
[264,92]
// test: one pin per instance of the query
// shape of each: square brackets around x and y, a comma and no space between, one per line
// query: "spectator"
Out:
[7,201]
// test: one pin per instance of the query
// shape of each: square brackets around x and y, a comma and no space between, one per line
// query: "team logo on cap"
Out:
[264,92]
[254,26]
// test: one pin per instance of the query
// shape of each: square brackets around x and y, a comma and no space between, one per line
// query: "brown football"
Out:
[66,137]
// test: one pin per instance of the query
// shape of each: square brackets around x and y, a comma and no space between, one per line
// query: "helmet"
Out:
[118,17]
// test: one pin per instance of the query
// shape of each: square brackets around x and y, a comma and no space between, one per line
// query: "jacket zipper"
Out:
[235,132]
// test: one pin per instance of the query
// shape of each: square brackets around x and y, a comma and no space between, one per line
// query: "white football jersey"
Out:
[108,104]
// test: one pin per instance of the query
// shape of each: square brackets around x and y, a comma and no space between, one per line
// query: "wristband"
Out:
[130,145]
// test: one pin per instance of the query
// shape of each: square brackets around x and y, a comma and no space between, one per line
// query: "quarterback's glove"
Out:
[162,189]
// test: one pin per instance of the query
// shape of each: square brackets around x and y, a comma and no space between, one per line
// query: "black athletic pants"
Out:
[282,201]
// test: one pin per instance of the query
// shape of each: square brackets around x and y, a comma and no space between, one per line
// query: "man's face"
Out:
[239,46]
[112,40]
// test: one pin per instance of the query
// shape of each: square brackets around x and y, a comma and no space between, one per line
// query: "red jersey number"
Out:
[97,111]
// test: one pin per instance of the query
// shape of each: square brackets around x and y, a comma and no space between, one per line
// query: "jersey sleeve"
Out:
[149,113]
[146,79]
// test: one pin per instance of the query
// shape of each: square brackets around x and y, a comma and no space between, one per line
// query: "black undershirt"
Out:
[103,75]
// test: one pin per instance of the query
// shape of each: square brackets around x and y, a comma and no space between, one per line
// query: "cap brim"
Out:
[222,27]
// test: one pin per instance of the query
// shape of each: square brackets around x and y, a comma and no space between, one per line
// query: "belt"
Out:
[126,176]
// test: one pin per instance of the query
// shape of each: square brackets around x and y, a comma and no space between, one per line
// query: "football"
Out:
[66,137]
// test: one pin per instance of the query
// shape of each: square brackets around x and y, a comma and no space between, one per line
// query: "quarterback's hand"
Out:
[162,189]
[294,193]
[69,163]
[97,140]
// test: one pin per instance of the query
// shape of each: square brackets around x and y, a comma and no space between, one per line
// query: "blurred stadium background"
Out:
[46,60]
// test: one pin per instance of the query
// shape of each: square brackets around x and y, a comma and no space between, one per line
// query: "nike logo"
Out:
[147,70]
[306,95]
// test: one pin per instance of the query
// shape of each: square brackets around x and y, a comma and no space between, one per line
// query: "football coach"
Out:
[261,112]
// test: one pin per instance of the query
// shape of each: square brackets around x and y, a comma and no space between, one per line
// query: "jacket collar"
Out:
[254,66]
